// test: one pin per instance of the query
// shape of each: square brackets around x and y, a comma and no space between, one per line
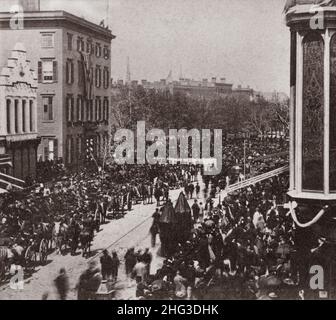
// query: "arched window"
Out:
[313,113]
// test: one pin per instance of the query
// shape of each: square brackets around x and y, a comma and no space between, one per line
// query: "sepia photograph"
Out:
[167,150]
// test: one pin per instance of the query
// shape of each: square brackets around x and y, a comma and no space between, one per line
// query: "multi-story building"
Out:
[72,57]
[197,89]
[18,118]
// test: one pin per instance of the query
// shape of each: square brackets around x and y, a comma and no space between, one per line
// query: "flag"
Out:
[88,75]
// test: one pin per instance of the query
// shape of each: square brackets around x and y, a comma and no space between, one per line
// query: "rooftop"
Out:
[55,18]
[294,3]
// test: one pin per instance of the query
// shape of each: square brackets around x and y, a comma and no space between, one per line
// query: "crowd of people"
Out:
[68,211]
[238,245]
[243,248]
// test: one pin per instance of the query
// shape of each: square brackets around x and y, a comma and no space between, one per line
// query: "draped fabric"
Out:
[292,3]
[184,219]
[88,75]
[168,214]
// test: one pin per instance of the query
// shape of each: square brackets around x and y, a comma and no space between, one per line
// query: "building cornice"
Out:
[57,19]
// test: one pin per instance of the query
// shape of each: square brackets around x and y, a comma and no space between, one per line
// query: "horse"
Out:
[85,238]
[86,235]
[59,236]
[46,232]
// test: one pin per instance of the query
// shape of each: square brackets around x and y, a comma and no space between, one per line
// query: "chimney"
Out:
[30,5]
[213,79]
[222,80]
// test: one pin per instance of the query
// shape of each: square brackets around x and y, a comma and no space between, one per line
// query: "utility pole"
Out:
[128,72]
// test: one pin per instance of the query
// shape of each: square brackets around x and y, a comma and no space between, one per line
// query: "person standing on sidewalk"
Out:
[198,190]
[147,258]
[62,284]
[196,211]
[115,266]
[106,265]
[130,261]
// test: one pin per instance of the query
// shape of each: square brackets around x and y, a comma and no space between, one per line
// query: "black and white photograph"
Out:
[167,150]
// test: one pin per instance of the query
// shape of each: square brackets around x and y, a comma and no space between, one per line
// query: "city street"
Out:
[118,235]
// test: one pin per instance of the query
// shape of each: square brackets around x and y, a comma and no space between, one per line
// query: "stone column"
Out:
[4,125]
[12,117]
[19,115]
[34,116]
[27,116]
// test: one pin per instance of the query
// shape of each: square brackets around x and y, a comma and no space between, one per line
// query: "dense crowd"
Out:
[82,200]
[241,249]
[238,245]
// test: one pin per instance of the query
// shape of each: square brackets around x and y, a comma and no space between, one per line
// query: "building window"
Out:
[48,112]
[79,114]
[106,76]
[80,44]
[106,53]
[313,113]
[91,110]
[100,116]
[88,46]
[47,40]
[50,149]
[69,149]
[96,110]
[106,109]
[98,50]
[70,108]
[87,109]
[98,76]
[47,71]
[69,71]
[70,38]
[79,147]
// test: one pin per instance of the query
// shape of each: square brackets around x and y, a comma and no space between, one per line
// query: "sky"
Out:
[244,41]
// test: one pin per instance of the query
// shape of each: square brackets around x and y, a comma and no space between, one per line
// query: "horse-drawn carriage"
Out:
[25,251]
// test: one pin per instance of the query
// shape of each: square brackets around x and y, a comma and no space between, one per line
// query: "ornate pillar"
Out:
[19,115]
[34,116]
[3,119]
[12,117]
[27,116]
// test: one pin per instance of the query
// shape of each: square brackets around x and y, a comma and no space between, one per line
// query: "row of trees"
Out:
[164,110]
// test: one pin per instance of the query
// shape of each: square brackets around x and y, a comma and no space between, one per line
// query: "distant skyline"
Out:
[245,41]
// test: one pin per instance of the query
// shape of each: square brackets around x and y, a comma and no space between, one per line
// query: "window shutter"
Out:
[39,68]
[55,71]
